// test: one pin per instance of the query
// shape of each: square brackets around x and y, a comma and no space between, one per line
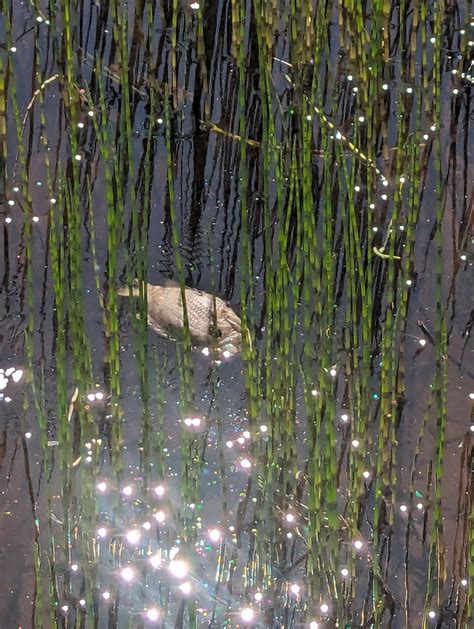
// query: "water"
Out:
[310,164]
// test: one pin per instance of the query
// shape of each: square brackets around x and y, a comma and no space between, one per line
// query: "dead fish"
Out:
[204,311]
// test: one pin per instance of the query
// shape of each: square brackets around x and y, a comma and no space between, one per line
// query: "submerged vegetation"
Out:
[309,163]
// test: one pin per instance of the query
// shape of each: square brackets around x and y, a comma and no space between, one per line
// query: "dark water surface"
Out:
[310,163]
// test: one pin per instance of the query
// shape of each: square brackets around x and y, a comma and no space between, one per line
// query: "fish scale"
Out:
[165,306]
[166,317]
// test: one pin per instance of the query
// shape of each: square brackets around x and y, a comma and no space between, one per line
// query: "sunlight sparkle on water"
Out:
[17,375]
[156,561]
[160,516]
[247,614]
[153,614]
[133,536]
[178,568]
[186,588]
[215,535]
[127,574]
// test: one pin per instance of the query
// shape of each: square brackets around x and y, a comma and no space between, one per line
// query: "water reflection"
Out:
[309,166]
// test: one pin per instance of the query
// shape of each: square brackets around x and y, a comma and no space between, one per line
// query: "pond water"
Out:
[310,163]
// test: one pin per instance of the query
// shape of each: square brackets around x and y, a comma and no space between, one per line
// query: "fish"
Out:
[211,321]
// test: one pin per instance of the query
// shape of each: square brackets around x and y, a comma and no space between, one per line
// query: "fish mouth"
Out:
[229,349]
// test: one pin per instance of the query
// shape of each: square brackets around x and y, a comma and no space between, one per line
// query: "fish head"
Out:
[229,328]
[230,345]
[130,291]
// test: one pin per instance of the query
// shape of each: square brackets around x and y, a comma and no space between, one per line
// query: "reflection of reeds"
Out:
[310,153]
[3,131]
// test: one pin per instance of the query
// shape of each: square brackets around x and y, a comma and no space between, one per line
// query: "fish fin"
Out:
[158,329]
[235,325]
[232,319]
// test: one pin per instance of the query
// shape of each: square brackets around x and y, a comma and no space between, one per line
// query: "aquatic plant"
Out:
[309,163]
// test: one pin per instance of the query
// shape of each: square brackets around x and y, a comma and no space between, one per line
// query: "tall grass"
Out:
[320,126]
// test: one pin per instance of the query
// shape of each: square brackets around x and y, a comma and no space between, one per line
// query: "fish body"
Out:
[205,313]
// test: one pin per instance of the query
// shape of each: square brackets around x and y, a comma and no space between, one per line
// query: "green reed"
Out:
[140,227]
[437,570]
[189,446]
[112,175]
[3,124]
[37,381]
[325,273]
